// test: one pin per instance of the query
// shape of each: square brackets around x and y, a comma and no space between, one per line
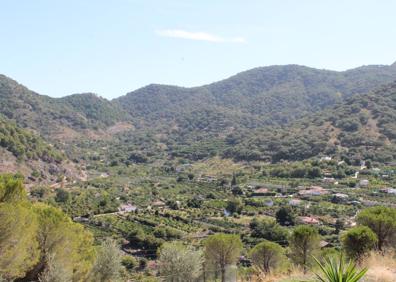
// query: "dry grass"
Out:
[382,268]
[293,275]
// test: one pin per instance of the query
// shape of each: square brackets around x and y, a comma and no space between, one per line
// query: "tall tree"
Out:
[18,245]
[55,272]
[234,205]
[179,263]
[358,241]
[267,256]
[222,250]
[33,235]
[304,242]
[382,220]
[69,243]
[233,180]
[284,216]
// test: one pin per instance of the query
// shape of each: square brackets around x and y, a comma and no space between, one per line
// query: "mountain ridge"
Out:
[228,112]
[263,90]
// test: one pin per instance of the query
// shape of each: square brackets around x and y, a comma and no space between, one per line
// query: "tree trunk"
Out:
[223,271]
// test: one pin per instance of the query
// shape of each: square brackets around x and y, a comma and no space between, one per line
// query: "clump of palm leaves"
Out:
[338,270]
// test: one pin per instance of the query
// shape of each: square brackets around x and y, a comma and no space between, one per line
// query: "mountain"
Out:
[271,113]
[56,118]
[247,116]
[26,145]
[96,110]
[25,152]
[361,127]
[273,95]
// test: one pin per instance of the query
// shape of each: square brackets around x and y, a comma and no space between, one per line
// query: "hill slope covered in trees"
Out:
[272,113]
[273,95]
[53,116]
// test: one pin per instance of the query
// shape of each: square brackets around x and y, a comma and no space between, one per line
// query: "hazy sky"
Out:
[112,47]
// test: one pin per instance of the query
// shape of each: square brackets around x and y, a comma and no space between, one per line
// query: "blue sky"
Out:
[113,47]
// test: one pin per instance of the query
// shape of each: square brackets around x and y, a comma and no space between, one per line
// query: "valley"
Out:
[255,156]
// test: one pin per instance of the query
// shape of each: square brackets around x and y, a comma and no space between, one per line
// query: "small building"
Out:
[158,204]
[364,183]
[341,196]
[308,220]
[388,191]
[261,191]
[269,203]
[127,208]
[295,202]
[325,159]
[355,203]
[329,180]
[81,219]
[324,244]
[313,191]
[207,178]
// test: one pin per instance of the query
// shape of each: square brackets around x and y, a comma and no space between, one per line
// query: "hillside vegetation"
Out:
[272,95]
[52,116]
[361,127]
[26,145]
[276,174]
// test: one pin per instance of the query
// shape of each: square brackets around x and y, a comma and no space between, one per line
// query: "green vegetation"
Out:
[267,256]
[304,243]
[339,271]
[222,250]
[108,263]
[358,241]
[26,145]
[382,221]
[249,177]
[178,262]
[39,241]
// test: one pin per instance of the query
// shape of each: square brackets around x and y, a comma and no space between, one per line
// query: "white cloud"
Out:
[201,36]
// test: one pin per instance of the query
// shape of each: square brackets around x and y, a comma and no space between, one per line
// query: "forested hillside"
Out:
[357,127]
[273,95]
[25,145]
[97,110]
[361,127]
[272,113]
[54,117]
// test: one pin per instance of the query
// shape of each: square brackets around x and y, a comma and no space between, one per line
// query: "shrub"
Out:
[358,241]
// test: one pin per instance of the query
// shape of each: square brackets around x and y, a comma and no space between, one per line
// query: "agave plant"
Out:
[337,270]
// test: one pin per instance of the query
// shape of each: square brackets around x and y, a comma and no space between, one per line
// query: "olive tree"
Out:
[178,263]
[107,266]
